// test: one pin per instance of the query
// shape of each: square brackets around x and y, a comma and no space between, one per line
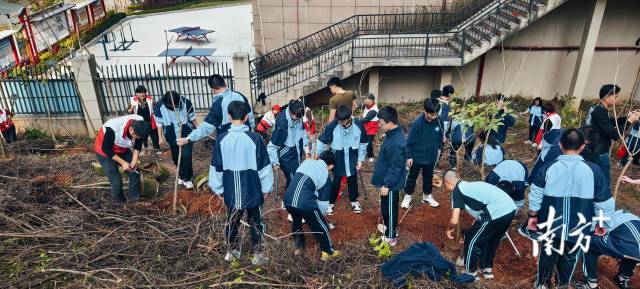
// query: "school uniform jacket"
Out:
[390,170]
[5,120]
[515,172]
[240,168]
[113,137]
[425,140]
[483,201]
[170,122]
[443,113]
[217,119]
[288,140]
[492,155]
[310,187]
[370,119]
[570,185]
[536,114]
[136,105]
[507,121]
[457,137]
[622,236]
[349,145]
[550,151]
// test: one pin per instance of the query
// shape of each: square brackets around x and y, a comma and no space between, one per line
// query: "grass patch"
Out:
[139,10]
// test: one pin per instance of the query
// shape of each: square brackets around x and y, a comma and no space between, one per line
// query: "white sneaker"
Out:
[331,226]
[330,210]
[428,199]
[460,261]
[534,144]
[158,152]
[180,182]
[371,160]
[282,205]
[382,228]
[232,255]
[527,141]
[391,242]
[188,184]
[356,207]
[406,201]
[259,259]
[289,218]
[487,273]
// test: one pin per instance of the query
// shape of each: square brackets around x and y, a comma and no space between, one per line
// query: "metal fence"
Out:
[39,91]
[118,83]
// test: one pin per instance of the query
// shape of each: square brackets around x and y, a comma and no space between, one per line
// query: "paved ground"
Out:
[232,27]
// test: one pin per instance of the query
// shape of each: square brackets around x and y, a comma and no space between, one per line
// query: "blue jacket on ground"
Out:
[349,145]
[483,201]
[167,119]
[421,258]
[391,167]
[550,151]
[507,121]
[218,118]
[570,185]
[288,140]
[240,168]
[515,172]
[425,140]
[622,236]
[455,133]
[310,187]
[492,155]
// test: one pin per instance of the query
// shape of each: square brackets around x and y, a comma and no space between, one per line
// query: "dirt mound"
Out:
[193,203]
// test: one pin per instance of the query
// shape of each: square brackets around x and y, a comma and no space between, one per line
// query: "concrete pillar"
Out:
[446,77]
[374,82]
[241,74]
[587,48]
[84,68]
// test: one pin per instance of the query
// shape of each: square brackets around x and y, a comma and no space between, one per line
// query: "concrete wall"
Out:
[533,73]
[62,125]
[280,22]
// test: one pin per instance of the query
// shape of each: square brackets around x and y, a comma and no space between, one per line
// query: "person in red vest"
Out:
[119,143]
[370,122]
[142,105]
[309,124]
[7,127]
[267,121]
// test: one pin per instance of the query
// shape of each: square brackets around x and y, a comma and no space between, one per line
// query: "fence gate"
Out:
[40,91]
[117,83]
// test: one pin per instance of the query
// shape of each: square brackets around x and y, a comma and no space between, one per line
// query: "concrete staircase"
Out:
[455,47]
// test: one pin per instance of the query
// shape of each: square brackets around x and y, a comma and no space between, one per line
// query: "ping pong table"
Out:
[195,33]
[201,54]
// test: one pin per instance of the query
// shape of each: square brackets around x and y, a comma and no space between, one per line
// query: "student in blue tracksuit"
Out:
[289,140]
[424,144]
[514,172]
[620,239]
[347,138]
[308,198]
[168,122]
[507,120]
[390,171]
[494,153]
[493,209]
[240,171]
[461,134]
[550,151]
[217,120]
[570,186]
[536,114]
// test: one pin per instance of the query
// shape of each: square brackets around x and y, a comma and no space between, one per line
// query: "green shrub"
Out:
[32,133]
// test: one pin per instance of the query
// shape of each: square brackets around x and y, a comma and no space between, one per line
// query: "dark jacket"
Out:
[599,117]
[421,258]
[390,170]
[425,140]
[507,122]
